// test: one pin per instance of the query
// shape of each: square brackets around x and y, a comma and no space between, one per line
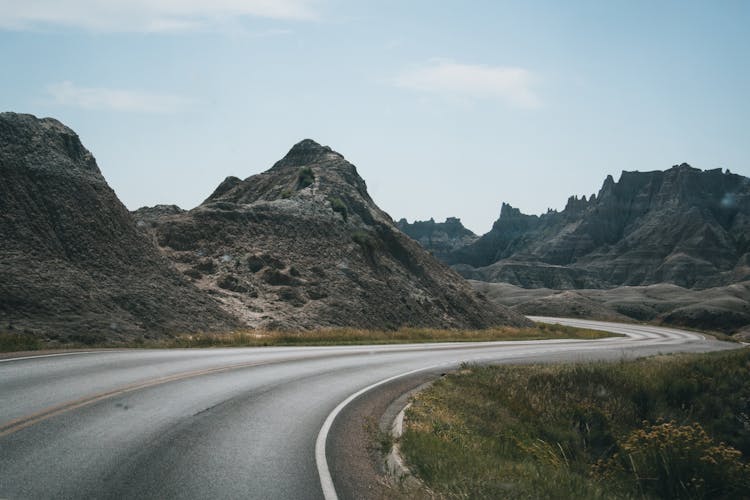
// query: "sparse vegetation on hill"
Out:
[666,427]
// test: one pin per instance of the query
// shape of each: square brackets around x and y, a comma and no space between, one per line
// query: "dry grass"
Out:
[10,342]
[666,427]
[323,337]
[350,336]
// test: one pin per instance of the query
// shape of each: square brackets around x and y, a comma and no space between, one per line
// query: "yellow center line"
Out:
[29,420]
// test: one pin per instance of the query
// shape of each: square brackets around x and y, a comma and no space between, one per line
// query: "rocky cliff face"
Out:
[439,238]
[73,265]
[303,245]
[682,226]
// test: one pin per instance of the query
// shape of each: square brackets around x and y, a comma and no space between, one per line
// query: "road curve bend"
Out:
[228,423]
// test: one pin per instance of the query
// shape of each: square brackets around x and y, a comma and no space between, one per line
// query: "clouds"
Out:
[511,85]
[104,99]
[144,15]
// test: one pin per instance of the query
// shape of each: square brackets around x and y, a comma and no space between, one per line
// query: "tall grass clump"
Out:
[669,460]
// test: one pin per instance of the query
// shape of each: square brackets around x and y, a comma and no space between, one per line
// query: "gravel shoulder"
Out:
[355,458]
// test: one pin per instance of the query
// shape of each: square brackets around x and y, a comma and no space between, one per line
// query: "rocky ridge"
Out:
[439,238]
[303,245]
[682,226]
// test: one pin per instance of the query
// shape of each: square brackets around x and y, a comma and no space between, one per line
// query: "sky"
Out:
[447,108]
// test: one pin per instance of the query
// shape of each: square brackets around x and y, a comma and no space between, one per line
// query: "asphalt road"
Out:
[225,423]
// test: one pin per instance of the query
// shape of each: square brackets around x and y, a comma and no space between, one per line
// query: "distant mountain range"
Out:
[682,226]
[440,238]
[666,246]
[300,246]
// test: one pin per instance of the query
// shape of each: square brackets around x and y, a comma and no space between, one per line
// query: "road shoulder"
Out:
[354,453]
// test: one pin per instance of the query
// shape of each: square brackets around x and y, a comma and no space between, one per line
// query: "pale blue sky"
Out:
[447,108]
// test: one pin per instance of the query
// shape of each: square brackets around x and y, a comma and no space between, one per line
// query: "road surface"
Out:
[226,423]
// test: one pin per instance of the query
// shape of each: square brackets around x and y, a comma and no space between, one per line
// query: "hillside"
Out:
[73,265]
[303,245]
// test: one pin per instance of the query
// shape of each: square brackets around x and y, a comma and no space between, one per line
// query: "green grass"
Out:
[666,427]
[321,337]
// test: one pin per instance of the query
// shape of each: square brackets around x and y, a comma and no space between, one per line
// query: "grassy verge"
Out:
[666,427]
[347,336]
[19,342]
[322,337]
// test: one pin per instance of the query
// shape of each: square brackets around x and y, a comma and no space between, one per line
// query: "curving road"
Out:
[227,423]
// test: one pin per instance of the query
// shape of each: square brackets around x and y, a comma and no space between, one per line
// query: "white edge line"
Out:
[50,355]
[326,481]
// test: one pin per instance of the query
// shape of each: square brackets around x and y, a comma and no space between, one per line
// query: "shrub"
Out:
[338,206]
[679,461]
[305,177]
[365,240]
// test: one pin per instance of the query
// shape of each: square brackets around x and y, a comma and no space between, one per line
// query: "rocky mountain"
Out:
[439,238]
[682,226]
[303,245]
[73,265]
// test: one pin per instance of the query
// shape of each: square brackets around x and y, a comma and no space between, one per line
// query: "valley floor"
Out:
[724,310]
